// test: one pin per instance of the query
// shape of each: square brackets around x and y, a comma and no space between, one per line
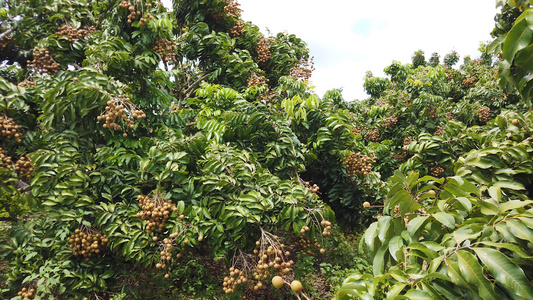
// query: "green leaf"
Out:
[418,295]
[473,274]
[370,235]
[505,271]
[520,230]
[524,58]
[445,219]
[517,38]
[380,259]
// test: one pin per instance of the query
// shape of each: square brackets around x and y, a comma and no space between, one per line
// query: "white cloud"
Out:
[394,30]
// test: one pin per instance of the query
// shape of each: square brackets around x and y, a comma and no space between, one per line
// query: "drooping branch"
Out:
[6,33]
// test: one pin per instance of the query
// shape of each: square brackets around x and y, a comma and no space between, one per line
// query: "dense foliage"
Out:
[156,153]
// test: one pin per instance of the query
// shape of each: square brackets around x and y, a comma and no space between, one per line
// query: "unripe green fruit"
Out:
[515,122]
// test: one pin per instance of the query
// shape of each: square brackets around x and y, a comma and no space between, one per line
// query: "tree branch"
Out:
[7,32]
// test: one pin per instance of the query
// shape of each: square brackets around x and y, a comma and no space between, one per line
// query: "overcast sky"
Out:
[349,37]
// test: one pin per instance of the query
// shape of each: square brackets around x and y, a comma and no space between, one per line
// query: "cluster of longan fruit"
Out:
[407,141]
[398,156]
[43,62]
[449,116]
[122,109]
[134,12]
[483,113]
[24,167]
[274,256]
[389,122]
[166,254]
[10,129]
[237,29]
[313,188]
[372,135]
[235,278]
[357,164]
[26,84]
[6,41]
[439,131]
[470,81]
[73,33]
[86,241]
[166,50]
[256,80]
[327,228]
[305,245]
[357,130]
[232,9]
[263,51]
[304,69]
[155,211]
[26,294]
[436,171]
[5,159]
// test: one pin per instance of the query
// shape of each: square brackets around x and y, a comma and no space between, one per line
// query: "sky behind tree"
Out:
[349,37]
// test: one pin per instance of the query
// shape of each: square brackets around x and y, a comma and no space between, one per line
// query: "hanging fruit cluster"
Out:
[135,12]
[263,51]
[26,84]
[304,70]
[357,130]
[43,62]
[6,41]
[86,241]
[313,188]
[122,109]
[308,247]
[449,116]
[327,229]
[24,167]
[439,131]
[470,81]
[5,160]
[483,113]
[10,129]
[372,135]
[232,9]
[398,156]
[166,50]
[274,256]
[437,170]
[407,141]
[73,33]
[26,294]
[235,278]
[389,122]
[237,29]
[357,164]
[155,211]
[256,80]
[433,112]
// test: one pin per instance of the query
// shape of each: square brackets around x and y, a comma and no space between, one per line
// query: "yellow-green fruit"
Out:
[515,122]
[366,204]
[431,192]
[277,282]
[296,286]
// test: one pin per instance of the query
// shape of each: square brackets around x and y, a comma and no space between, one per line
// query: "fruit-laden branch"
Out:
[6,33]
[182,95]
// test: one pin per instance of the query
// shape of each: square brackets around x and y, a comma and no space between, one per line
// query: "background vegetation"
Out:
[148,153]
